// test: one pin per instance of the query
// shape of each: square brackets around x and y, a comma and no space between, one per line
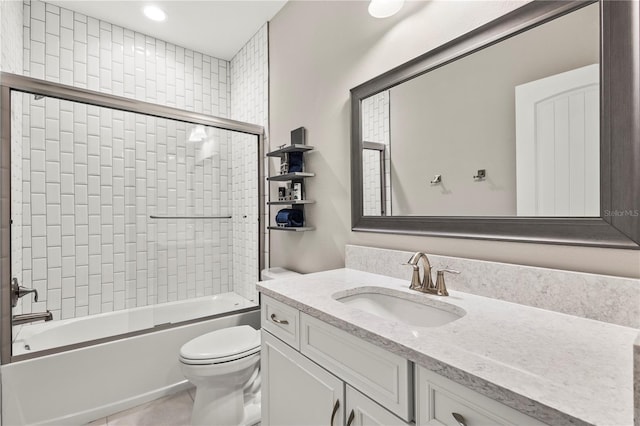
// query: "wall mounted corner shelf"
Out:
[290,176]
[290,148]
[298,145]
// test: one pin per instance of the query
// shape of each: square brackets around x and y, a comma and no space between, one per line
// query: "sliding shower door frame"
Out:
[12,82]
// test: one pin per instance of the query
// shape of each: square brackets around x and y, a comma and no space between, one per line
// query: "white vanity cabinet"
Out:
[381,375]
[440,401]
[316,374]
[362,411]
[295,390]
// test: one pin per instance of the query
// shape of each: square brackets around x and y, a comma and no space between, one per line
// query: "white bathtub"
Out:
[47,335]
[80,385]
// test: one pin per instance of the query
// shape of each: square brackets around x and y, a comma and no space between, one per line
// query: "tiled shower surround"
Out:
[89,244]
[249,103]
[89,194]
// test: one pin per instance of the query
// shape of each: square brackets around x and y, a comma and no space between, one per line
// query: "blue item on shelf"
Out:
[295,162]
[290,218]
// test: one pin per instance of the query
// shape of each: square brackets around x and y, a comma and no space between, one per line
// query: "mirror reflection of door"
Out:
[374,181]
[557,144]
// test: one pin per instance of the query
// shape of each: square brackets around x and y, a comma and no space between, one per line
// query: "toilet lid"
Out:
[225,343]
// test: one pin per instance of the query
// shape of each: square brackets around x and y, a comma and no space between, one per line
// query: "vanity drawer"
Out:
[438,398]
[382,376]
[281,320]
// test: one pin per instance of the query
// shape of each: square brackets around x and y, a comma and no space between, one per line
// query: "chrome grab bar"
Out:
[188,217]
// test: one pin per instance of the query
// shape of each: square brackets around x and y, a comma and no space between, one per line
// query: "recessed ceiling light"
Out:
[154,13]
[384,8]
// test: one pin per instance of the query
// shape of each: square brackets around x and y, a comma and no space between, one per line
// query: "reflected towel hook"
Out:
[436,180]
[482,175]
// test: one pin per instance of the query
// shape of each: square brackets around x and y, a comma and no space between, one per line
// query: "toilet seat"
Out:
[222,360]
[221,346]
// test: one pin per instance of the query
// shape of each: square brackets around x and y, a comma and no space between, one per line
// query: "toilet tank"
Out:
[276,273]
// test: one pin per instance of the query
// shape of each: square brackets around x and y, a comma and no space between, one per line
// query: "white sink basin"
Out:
[400,309]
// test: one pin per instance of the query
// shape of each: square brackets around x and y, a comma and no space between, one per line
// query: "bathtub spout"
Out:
[25,318]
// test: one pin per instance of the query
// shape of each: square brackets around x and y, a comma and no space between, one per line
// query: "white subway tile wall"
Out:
[375,128]
[371,182]
[249,102]
[90,191]
[89,245]
[70,48]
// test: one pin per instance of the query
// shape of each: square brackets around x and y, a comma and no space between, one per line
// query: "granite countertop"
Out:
[558,368]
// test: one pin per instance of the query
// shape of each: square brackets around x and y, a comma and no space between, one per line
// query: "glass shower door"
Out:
[130,220]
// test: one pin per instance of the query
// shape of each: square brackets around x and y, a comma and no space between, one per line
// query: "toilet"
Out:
[224,365]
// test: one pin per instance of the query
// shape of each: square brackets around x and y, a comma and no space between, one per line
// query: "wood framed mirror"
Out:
[502,204]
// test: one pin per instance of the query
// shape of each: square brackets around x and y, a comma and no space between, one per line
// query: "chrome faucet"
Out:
[25,318]
[426,281]
[426,285]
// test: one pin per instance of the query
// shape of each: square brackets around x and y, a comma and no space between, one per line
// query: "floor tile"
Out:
[173,410]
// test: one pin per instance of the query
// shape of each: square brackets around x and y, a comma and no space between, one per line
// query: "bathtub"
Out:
[83,384]
[47,335]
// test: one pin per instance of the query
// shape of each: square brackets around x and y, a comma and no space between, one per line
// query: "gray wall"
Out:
[461,118]
[318,51]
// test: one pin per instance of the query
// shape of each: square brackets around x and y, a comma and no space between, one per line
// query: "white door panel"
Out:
[557,145]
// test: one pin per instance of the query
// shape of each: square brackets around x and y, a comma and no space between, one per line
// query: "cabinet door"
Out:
[296,391]
[440,401]
[362,411]
[384,377]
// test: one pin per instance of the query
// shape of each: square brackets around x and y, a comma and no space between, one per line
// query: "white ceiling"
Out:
[216,27]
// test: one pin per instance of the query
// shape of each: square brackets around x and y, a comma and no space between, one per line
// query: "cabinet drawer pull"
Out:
[335,410]
[459,419]
[352,415]
[278,321]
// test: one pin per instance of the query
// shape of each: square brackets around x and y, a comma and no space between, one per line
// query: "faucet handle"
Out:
[18,291]
[441,288]
[415,277]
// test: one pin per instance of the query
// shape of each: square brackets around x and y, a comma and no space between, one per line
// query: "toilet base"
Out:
[252,414]
[214,406]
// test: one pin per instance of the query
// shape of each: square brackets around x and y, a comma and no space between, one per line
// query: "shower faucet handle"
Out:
[18,291]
